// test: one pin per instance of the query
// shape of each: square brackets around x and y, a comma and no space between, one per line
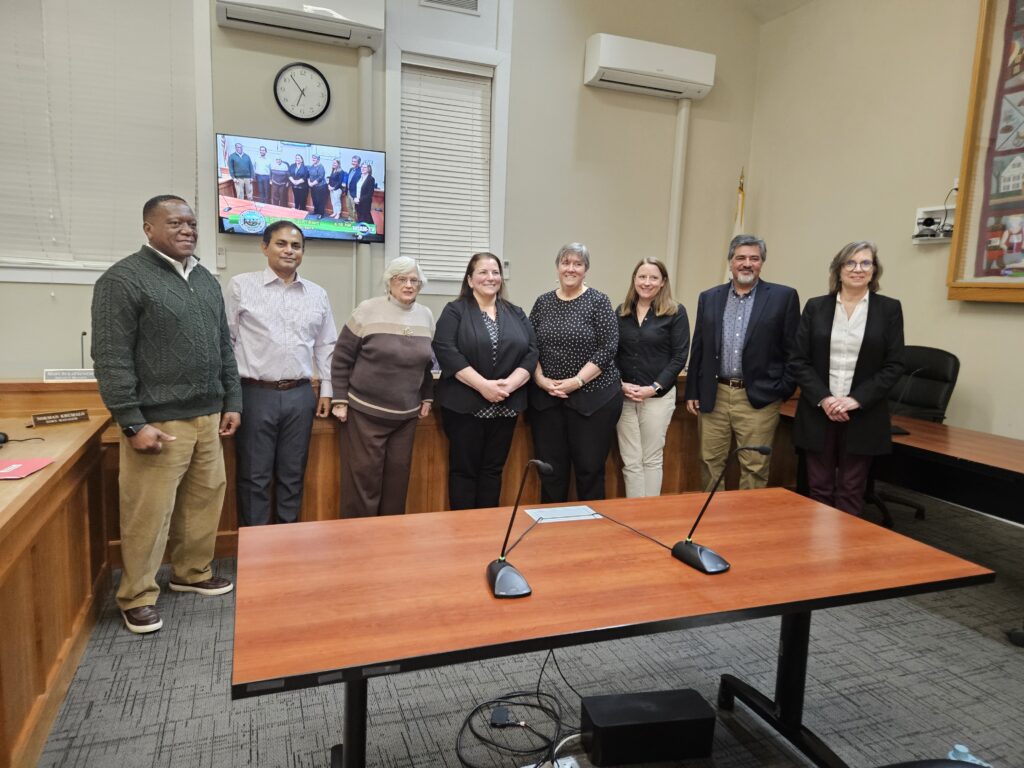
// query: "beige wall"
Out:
[244,65]
[859,121]
[594,165]
[848,117]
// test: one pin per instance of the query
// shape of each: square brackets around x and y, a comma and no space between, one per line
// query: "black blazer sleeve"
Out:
[813,387]
[873,388]
[446,348]
[696,352]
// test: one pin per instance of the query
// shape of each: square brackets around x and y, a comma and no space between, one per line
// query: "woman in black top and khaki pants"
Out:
[487,352]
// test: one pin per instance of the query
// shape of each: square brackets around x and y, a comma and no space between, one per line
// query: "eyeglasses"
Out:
[402,280]
[866,265]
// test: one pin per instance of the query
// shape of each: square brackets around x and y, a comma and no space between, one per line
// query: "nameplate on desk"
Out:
[562,514]
[58,375]
[59,417]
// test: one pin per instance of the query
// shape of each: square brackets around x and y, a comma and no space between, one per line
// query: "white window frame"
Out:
[453,56]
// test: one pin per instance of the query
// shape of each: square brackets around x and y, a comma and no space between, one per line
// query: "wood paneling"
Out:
[52,567]
[428,486]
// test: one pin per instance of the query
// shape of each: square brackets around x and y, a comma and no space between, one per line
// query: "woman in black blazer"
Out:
[363,194]
[487,352]
[849,350]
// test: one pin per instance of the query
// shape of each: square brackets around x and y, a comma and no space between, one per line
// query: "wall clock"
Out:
[302,91]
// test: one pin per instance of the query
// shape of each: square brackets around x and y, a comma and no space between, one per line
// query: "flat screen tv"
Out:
[329,192]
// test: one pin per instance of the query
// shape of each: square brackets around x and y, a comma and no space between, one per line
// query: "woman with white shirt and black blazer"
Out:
[487,351]
[849,350]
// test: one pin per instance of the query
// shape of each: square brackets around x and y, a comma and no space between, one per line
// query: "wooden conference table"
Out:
[347,600]
[975,469]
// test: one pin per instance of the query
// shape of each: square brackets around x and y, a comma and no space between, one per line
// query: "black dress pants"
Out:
[477,449]
[568,440]
[273,448]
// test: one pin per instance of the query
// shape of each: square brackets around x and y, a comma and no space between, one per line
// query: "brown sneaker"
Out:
[142,620]
[215,585]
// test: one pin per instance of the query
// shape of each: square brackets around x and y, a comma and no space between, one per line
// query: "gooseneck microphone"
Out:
[81,347]
[503,577]
[893,428]
[692,553]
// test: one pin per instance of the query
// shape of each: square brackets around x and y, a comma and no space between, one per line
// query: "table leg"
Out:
[785,713]
[351,753]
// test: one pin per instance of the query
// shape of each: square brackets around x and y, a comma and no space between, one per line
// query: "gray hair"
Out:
[577,248]
[400,266]
[741,240]
[846,253]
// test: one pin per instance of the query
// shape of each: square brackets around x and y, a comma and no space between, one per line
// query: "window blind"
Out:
[445,169]
[99,116]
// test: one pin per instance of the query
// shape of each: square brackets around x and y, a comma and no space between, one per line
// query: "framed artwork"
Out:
[986,261]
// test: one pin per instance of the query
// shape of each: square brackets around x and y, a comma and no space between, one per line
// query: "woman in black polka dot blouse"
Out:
[576,398]
[487,353]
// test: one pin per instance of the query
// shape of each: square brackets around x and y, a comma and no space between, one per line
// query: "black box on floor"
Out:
[646,727]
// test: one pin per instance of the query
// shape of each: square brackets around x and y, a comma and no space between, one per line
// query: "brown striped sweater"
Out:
[382,361]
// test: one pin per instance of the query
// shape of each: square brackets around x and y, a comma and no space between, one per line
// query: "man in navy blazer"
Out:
[739,369]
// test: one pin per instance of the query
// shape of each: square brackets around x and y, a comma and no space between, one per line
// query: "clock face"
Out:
[302,91]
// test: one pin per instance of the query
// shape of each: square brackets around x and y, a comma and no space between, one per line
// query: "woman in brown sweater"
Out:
[383,383]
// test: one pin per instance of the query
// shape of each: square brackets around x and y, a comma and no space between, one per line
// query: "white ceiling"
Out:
[766,10]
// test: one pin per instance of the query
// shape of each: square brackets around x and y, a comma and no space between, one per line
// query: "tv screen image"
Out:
[327,191]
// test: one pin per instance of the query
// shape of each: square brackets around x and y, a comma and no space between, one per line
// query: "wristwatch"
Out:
[657,388]
[132,429]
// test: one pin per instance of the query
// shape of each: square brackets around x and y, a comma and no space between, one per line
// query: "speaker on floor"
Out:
[646,727]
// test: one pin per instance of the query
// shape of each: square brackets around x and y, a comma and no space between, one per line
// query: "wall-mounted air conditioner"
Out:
[652,68]
[352,23]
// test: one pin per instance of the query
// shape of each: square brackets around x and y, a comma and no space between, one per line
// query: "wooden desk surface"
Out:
[982,448]
[62,443]
[409,592]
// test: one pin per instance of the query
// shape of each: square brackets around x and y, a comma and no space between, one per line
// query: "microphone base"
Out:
[700,558]
[506,581]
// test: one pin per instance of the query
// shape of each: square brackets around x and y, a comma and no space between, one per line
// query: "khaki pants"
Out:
[173,495]
[243,189]
[641,432]
[734,414]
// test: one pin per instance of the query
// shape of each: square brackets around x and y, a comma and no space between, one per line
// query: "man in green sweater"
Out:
[162,355]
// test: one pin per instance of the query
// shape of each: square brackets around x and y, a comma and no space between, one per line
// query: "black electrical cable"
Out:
[634,530]
[4,439]
[945,211]
[523,535]
[539,748]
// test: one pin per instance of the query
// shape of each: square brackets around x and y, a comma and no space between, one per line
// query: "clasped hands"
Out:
[496,390]
[838,408]
[637,393]
[558,387]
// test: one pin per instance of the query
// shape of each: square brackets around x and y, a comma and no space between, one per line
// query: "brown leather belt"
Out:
[734,383]
[279,385]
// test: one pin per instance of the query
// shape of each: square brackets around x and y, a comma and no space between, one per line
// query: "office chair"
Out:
[922,392]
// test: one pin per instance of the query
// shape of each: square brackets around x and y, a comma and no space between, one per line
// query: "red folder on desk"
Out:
[15,469]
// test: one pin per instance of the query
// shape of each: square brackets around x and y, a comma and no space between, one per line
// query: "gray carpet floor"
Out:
[895,680]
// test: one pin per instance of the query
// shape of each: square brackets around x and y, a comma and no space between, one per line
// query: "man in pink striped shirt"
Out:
[281,326]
